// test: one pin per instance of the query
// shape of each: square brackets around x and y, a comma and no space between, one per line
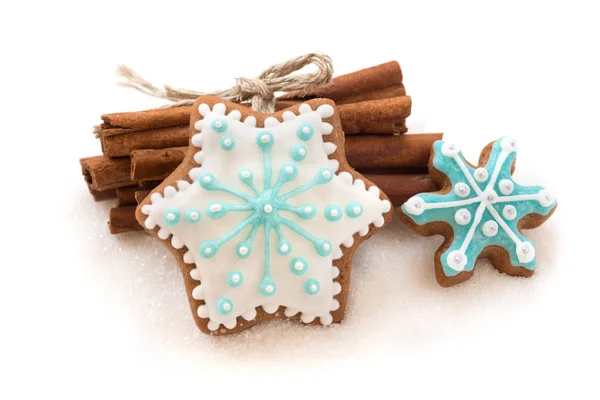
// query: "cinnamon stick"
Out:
[384,151]
[141,194]
[122,219]
[366,84]
[376,116]
[103,173]
[155,164]
[126,196]
[384,116]
[366,152]
[398,187]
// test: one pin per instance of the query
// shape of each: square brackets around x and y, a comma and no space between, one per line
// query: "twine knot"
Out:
[259,91]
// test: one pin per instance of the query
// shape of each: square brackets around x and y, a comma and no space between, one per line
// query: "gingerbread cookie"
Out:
[264,215]
[480,211]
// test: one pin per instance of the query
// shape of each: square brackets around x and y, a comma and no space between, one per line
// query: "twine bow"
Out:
[259,92]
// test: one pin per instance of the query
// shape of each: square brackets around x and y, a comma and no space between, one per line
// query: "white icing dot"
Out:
[415,205]
[334,213]
[545,198]
[265,138]
[218,124]
[289,169]
[235,278]
[326,247]
[194,215]
[462,189]
[481,174]
[206,179]
[525,252]
[226,306]
[449,150]
[490,228]
[506,186]
[243,250]
[207,250]
[307,210]
[313,288]
[246,174]
[462,216]
[302,152]
[215,207]
[356,210]
[508,144]
[284,247]
[489,196]
[509,212]
[227,142]
[268,208]
[326,174]
[171,217]
[299,266]
[269,289]
[306,130]
[456,260]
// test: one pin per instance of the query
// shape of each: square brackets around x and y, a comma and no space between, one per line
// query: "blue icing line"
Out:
[505,229]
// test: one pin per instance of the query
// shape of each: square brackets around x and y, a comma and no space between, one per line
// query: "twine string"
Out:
[259,91]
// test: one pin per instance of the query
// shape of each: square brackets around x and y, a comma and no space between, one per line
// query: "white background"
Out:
[85,314]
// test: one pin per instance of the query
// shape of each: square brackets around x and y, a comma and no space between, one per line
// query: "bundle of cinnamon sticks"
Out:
[140,149]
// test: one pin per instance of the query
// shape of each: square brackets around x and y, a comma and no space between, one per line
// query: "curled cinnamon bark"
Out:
[103,173]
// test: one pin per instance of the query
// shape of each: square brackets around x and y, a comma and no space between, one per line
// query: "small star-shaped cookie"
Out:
[480,212]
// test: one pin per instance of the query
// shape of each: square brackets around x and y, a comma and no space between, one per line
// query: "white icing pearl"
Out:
[306,130]
[326,247]
[326,174]
[509,212]
[508,144]
[265,138]
[218,124]
[489,196]
[525,252]
[415,205]
[299,266]
[269,289]
[307,210]
[449,150]
[284,247]
[194,215]
[302,152]
[462,189]
[545,198]
[227,142]
[215,208]
[334,213]
[457,260]
[356,210]
[462,216]
[506,186]
[490,228]
[289,169]
[171,217]
[246,174]
[268,208]
[206,179]
[226,306]
[313,288]
[481,175]
[235,278]
[243,250]
[208,250]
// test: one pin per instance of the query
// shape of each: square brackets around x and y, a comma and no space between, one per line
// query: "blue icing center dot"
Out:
[224,306]
[171,216]
[305,131]
[192,215]
[227,142]
[235,278]
[298,266]
[333,213]
[299,152]
[219,125]
[312,287]
[354,210]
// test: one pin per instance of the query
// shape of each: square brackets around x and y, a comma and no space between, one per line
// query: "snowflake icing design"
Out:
[483,207]
[265,215]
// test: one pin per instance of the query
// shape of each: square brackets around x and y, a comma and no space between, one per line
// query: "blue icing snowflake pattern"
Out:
[483,207]
[265,206]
